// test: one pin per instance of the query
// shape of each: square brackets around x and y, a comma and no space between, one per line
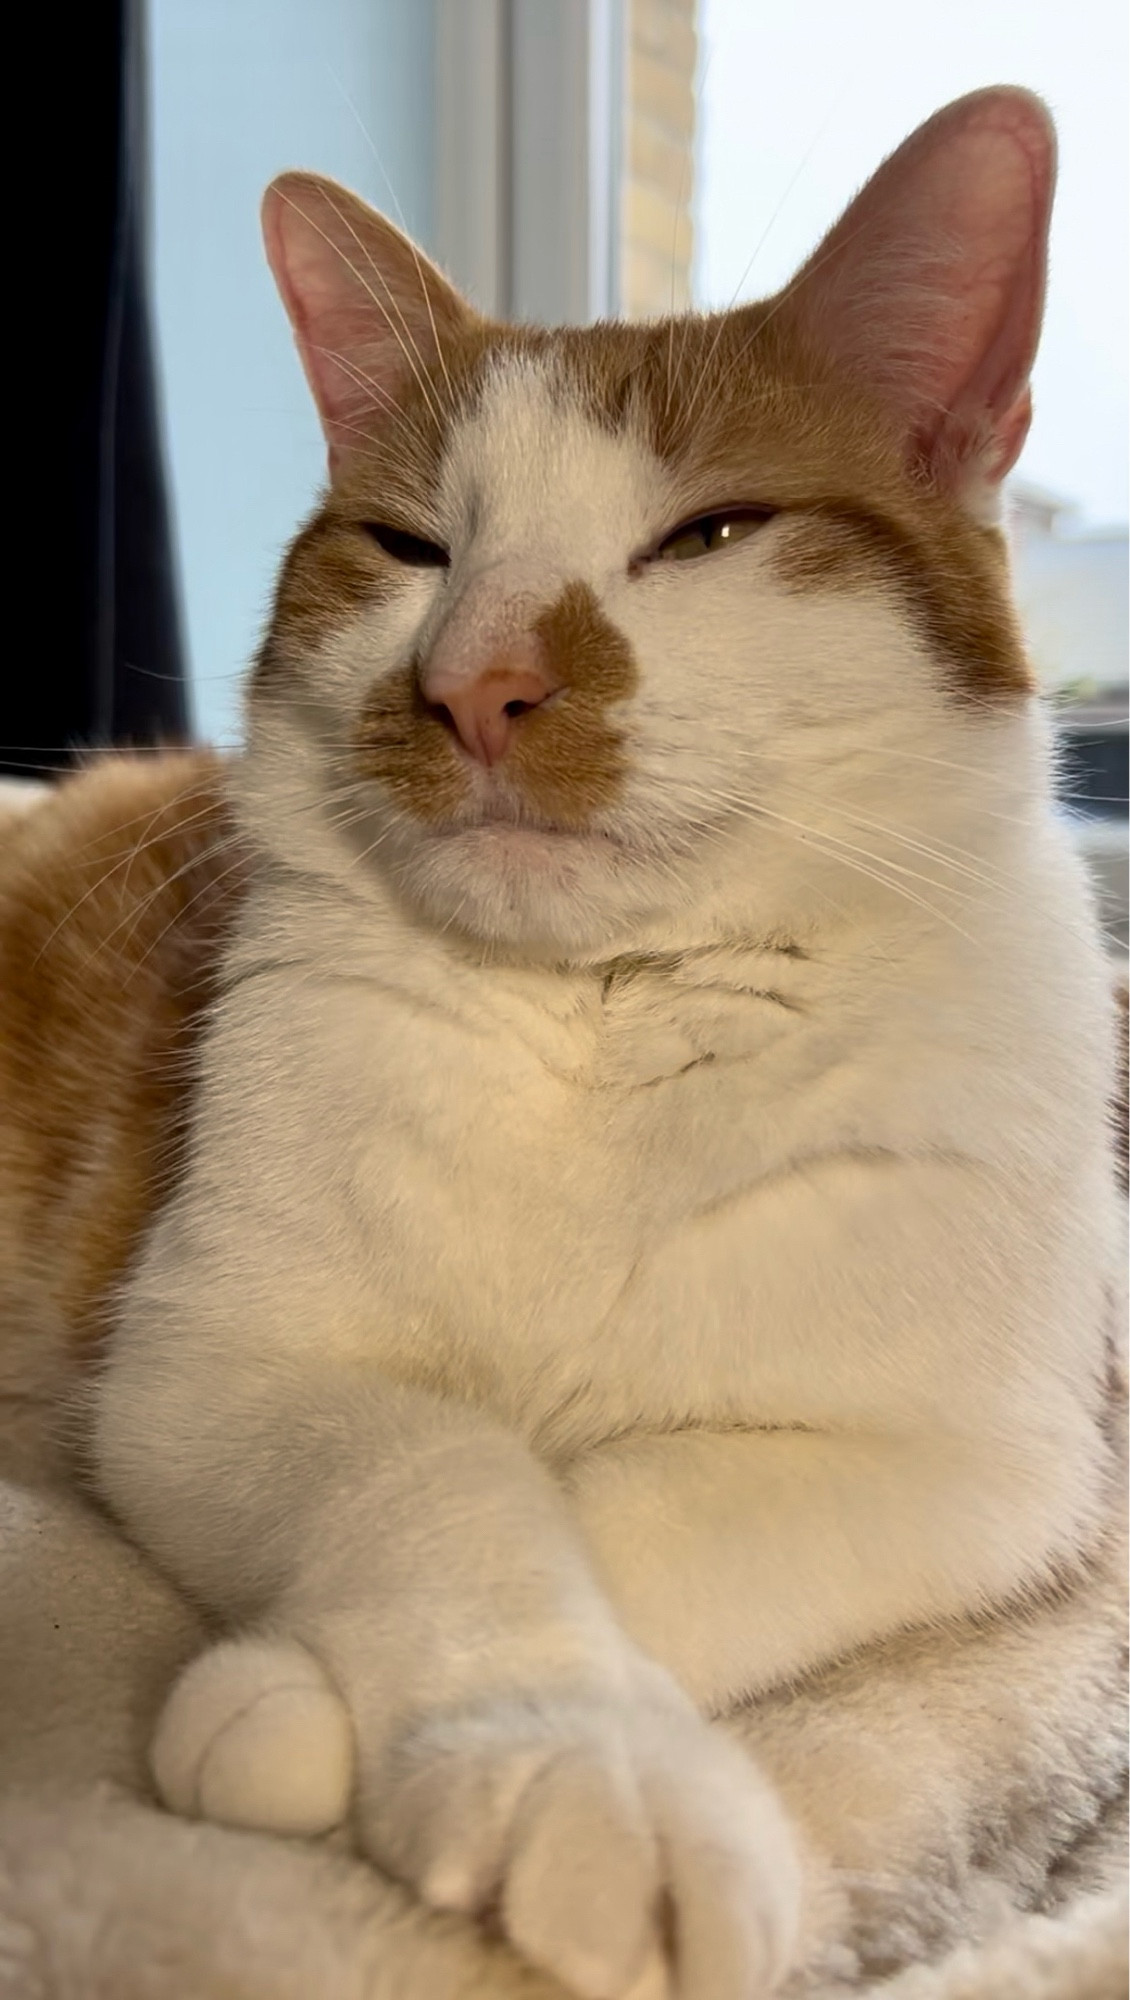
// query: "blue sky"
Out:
[800,102]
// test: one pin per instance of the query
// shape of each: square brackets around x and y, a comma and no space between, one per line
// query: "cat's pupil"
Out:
[406,548]
[710,532]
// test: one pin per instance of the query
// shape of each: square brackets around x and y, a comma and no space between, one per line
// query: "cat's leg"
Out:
[939,1778]
[740,1560]
[959,1351]
[412,1588]
[253,1735]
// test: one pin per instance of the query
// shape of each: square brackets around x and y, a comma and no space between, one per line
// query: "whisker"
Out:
[372,388]
[120,861]
[408,348]
[397,309]
[763,239]
[372,145]
[850,854]
[688,316]
[935,850]
[205,889]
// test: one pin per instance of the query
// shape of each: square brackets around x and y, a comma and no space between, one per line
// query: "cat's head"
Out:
[603,632]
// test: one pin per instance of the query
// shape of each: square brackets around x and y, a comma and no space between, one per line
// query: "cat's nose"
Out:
[485,707]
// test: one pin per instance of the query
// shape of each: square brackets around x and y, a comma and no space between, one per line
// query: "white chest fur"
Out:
[493,1188]
[641,1199]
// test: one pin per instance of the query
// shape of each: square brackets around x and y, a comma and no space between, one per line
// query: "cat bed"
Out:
[104,1896]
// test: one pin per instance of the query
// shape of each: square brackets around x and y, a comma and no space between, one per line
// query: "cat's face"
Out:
[594,626]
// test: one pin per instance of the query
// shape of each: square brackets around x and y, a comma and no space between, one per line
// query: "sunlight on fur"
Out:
[566,1194]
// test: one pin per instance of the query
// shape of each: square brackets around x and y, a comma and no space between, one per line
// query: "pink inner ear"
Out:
[318,269]
[1010,435]
[931,286]
[369,311]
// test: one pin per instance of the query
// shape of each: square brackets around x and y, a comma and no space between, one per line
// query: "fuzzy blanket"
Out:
[103,1896]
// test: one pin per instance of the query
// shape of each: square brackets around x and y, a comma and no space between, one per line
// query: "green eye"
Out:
[710,533]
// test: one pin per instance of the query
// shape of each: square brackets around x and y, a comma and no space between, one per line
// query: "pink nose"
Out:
[485,708]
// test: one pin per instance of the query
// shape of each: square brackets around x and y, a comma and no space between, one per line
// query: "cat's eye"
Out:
[406,548]
[711,532]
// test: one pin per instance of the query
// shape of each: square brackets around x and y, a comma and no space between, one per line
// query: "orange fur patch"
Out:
[332,570]
[116,894]
[975,639]
[567,759]
[743,412]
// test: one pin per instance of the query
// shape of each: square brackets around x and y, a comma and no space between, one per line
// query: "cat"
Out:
[647,1230]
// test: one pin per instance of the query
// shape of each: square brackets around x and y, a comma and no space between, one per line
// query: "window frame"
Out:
[526,220]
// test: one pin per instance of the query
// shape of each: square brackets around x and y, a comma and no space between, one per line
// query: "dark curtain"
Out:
[108,666]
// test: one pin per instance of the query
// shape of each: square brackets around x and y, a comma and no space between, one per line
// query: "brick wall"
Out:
[657,238]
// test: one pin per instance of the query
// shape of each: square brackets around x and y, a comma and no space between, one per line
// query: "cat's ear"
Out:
[370,312]
[931,286]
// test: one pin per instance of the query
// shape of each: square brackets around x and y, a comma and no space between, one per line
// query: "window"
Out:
[237,94]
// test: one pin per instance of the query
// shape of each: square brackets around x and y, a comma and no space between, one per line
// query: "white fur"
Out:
[254,1735]
[693,1240]
[896,1762]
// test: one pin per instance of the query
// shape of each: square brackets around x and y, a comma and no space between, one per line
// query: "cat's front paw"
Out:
[601,1836]
[254,1735]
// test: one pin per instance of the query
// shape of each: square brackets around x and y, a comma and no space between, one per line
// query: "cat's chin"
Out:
[546,892]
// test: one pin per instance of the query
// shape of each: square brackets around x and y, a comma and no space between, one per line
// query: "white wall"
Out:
[1072,593]
[241,89]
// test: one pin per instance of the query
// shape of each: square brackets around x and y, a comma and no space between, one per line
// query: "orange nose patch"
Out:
[563,757]
[484,706]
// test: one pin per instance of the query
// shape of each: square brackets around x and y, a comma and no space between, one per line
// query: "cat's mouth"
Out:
[497,868]
[508,818]
[509,825]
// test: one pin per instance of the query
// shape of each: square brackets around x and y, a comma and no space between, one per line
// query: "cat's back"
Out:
[116,891]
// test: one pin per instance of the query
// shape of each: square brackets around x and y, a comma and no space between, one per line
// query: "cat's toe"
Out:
[254,1735]
[732,1869]
[584,1876]
[533,1818]
[623,1849]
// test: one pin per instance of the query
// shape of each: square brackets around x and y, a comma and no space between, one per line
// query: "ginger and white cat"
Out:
[649,1228]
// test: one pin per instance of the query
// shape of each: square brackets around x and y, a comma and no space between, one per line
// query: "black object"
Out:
[1093,766]
[101,593]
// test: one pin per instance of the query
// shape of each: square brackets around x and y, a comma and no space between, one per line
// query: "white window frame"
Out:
[528,127]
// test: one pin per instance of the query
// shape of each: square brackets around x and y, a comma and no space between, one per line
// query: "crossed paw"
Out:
[604,1834]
